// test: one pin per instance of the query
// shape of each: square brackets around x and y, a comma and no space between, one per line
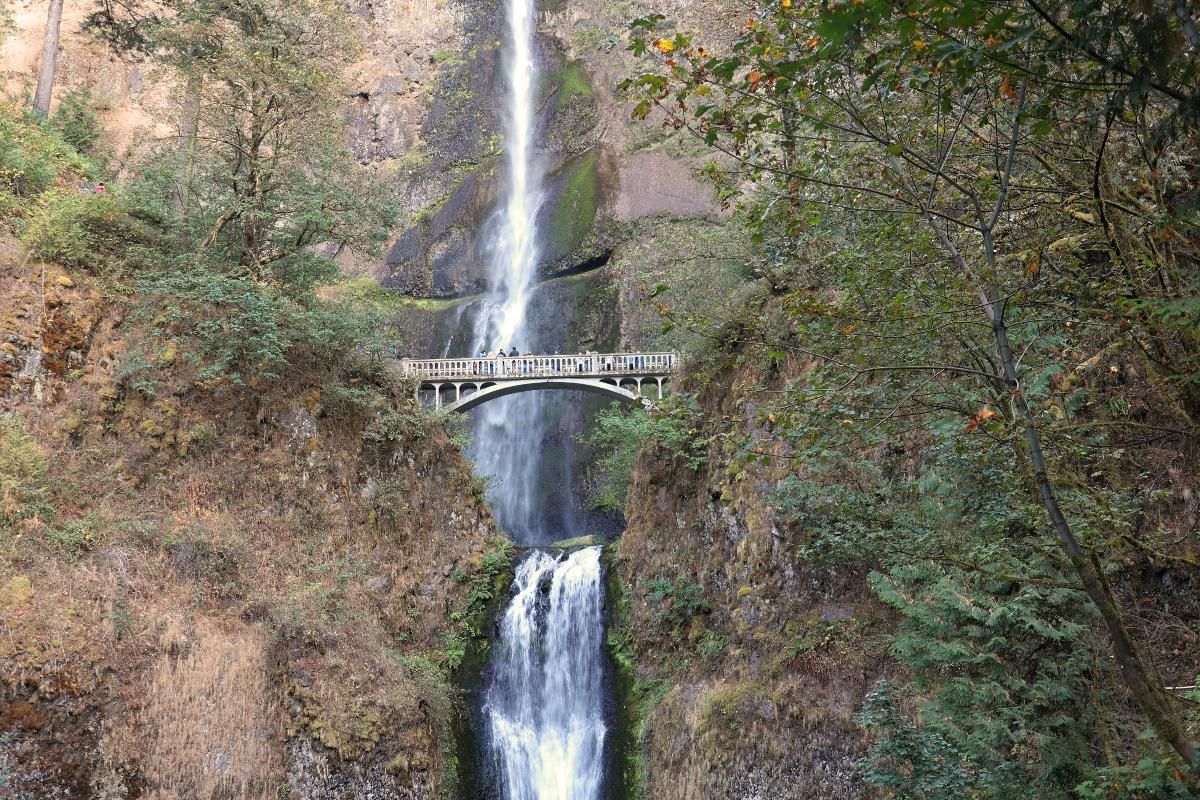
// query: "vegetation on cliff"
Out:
[236,560]
[971,365]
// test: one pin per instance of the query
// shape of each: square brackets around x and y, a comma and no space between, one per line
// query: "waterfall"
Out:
[509,431]
[544,706]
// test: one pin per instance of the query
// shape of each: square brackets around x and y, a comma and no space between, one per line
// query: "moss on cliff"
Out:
[635,695]
[741,674]
[576,206]
[569,80]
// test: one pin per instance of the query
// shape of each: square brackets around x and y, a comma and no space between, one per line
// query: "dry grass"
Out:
[178,585]
[211,718]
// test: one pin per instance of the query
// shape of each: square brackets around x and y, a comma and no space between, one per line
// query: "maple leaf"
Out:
[1006,88]
[983,416]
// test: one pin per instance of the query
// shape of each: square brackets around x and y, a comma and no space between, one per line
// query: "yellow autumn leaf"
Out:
[665,45]
[919,45]
[785,3]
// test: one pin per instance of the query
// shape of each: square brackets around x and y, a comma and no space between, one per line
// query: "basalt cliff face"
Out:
[208,590]
[742,666]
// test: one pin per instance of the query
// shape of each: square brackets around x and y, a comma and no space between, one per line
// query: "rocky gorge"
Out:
[240,560]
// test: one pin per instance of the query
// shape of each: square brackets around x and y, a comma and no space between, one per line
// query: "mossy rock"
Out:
[577,198]
[16,593]
[591,540]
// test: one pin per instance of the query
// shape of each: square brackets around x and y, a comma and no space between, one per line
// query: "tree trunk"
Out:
[1147,691]
[187,141]
[45,82]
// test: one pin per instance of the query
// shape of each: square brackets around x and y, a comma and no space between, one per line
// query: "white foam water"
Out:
[509,432]
[544,708]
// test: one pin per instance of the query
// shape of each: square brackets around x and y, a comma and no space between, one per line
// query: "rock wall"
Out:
[604,173]
[742,666]
[208,590]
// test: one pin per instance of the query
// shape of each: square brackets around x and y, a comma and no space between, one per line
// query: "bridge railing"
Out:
[560,366]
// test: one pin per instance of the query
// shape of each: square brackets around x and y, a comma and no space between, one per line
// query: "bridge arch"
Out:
[484,391]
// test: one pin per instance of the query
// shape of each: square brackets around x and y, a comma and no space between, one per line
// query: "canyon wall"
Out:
[217,589]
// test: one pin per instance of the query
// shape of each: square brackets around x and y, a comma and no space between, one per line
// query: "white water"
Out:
[515,251]
[544,706]
[509,432]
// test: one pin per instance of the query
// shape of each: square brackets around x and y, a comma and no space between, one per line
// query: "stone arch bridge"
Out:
[460,384]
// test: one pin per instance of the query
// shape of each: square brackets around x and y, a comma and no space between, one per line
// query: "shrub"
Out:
[712,646]
[342,335]
[679,599]
[22,472]
[458,427]
[238,328]
[619,435]
[77,229]
[398,425]
[75,120]
[76,537]
[201,435]
[33,157]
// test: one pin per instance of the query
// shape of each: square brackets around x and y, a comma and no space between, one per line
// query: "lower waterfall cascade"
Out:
[544,708]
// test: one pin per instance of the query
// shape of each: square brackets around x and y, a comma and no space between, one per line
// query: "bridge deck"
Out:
[593,365]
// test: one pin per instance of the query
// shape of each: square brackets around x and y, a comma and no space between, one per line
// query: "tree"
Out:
[45,81]
[1011,132]
[76,120]
[262,176]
